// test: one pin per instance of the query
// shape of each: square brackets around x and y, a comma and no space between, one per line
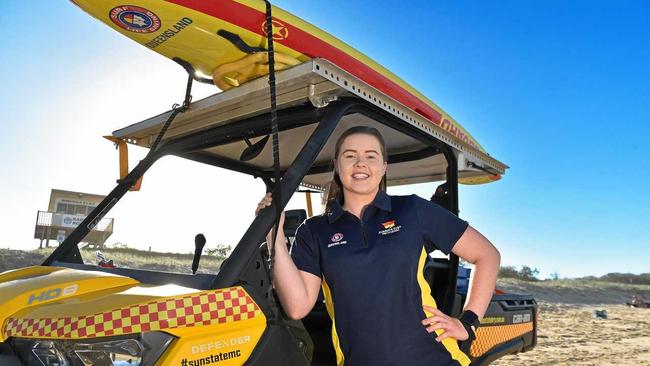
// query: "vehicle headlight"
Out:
[119,352]
[132,350]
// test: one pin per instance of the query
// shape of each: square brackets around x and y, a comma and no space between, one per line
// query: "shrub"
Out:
[555,275]
[219,251]
[120,245]
[525,273]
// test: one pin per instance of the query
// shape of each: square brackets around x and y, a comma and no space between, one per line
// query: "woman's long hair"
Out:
[335,187]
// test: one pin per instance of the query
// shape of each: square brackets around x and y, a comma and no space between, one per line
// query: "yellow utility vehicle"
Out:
[72,312]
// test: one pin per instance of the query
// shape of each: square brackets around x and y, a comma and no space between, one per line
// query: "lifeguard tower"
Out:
[65,212]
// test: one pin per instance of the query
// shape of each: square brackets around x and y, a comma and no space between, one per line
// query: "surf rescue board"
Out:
[221,41]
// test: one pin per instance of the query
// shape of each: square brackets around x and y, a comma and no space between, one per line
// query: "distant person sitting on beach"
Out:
[638,302]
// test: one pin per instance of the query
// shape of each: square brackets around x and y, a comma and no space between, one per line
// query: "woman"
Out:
[367,251]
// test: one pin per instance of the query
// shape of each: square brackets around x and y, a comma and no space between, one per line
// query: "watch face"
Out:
[476,323]
[471,318]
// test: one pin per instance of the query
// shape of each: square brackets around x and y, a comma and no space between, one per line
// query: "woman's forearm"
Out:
[483,281]
[293,292]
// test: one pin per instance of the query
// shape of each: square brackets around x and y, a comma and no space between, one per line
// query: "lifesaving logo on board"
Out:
[389,227]
[336,239]
[135,19]
[280,31]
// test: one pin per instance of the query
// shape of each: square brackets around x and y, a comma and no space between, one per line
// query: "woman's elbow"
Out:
[497,256]
[296,313]
[489,257]
[297,309]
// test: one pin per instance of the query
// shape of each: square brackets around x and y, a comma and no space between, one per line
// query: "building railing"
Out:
[56,225]
[45,218]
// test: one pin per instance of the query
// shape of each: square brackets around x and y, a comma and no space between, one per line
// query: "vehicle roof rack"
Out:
[317,82]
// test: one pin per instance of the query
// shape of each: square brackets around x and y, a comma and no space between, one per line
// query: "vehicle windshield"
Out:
[155,228]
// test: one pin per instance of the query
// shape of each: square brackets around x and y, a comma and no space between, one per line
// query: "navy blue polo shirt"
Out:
[373,282]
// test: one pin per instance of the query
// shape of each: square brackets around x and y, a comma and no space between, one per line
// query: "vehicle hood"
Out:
[45,294]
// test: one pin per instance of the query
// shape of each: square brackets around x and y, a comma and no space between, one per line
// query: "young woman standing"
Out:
[367,252]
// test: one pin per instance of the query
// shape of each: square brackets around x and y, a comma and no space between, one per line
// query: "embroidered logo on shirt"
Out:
[388,224]
[389,227]
[336,240]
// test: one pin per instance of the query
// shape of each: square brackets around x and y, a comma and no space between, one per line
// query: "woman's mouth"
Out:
[360,176]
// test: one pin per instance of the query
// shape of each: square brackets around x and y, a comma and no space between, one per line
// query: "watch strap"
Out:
[470,322]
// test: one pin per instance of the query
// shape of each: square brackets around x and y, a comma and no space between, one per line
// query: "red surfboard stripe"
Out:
[303,42]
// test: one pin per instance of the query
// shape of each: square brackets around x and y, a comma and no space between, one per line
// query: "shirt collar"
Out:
[381,201]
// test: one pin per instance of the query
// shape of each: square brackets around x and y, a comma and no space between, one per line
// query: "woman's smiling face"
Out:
[360,164]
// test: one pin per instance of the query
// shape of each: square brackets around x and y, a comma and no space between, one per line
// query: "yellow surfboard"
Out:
[221,41]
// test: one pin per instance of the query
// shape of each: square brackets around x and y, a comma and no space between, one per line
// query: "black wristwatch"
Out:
[470,322]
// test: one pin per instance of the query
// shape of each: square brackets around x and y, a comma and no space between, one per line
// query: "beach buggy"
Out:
[70,311]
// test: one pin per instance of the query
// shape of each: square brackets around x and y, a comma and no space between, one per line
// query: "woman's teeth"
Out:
[359,176]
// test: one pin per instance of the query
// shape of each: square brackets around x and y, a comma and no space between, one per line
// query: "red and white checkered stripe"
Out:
[205,308]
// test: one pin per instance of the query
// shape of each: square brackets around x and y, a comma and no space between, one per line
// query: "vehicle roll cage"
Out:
[243,265]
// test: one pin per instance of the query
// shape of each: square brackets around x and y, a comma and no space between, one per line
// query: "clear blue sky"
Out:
[557,90]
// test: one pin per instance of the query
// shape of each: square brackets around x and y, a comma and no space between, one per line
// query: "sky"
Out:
[557,90]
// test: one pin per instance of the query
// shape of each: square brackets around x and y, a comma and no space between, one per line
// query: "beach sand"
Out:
[570,334]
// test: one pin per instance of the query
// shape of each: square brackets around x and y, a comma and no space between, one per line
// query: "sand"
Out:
[570,334]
